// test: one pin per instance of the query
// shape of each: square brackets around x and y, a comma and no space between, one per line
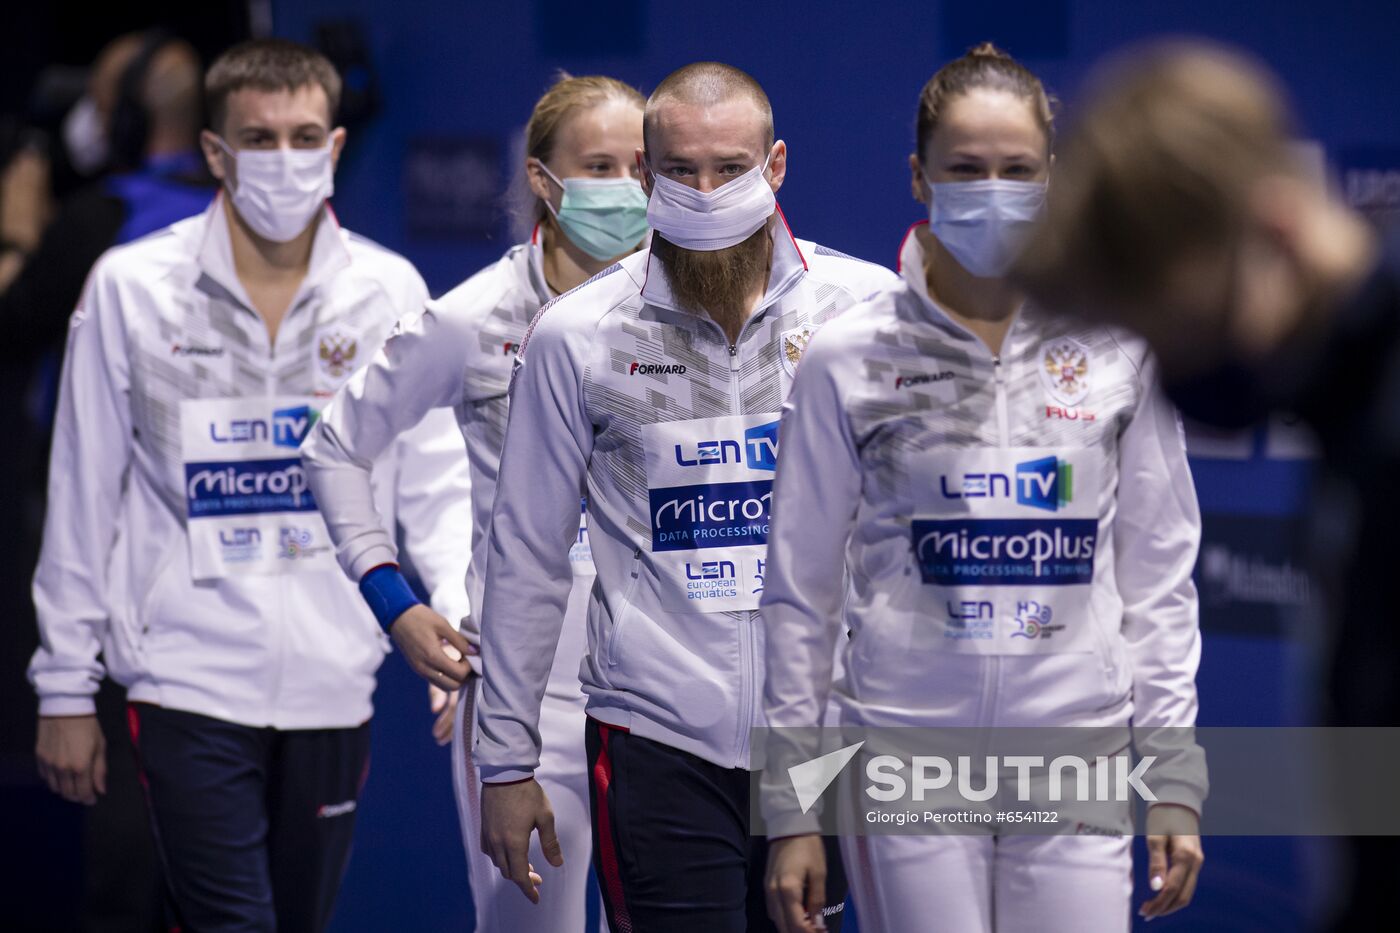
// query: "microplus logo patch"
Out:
[247,487]
[1005,551]
[710,515]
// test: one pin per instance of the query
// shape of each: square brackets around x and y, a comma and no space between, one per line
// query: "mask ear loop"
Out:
[548,205]
[230,178]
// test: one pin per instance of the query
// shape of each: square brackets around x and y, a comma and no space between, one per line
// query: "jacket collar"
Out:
[534,263]
[329,253]
[789,268]
[910,267]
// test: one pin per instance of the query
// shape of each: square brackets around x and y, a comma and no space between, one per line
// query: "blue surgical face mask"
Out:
[604,217]
[984,223]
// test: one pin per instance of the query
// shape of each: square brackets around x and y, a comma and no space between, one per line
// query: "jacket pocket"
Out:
[1111,657]
[157,590]
[624,609]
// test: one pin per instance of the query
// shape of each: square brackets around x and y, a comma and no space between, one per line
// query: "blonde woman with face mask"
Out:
[589,210]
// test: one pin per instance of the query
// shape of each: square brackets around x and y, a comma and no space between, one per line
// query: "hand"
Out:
[25,199]
[72,757]
[1174,858]
[445,705]
[509,813]
[424,637]
[796,883]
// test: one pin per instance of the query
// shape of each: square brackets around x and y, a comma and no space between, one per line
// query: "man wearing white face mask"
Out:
[656,388]
[182,542]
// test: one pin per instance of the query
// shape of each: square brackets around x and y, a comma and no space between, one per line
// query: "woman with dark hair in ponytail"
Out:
[1009,495]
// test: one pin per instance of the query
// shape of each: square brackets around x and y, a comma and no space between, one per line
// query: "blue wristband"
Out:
[388,594]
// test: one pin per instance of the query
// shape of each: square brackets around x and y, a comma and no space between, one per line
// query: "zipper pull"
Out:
[733,349]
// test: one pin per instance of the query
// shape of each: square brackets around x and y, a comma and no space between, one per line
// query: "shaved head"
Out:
[706,84]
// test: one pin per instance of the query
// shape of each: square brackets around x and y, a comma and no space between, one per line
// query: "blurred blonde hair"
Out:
[1158,168]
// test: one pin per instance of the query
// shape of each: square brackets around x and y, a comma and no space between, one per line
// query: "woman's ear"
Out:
[918,183]
[540,184]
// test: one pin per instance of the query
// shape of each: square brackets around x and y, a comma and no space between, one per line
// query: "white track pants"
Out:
[563,773]
[990,884]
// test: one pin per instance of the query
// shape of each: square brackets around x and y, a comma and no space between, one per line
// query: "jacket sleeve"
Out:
[91,454]
[815,495]
[549,439]
[418,369]
[433,502]
[1156,535]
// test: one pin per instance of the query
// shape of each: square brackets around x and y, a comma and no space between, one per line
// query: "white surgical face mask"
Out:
[702,221]
[85,138]
[277,192]
[984,223]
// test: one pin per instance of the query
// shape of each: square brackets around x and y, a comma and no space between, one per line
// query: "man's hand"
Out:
[444,704]
[1174,858]
[796,883]
[509,814]
[424,637]
[72,757]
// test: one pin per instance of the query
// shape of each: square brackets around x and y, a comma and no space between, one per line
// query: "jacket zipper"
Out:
[275,635]
[278,636]
[991,684]
[746,625]
[747,649]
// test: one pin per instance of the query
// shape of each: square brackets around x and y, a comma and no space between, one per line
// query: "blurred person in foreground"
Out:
[1179,211]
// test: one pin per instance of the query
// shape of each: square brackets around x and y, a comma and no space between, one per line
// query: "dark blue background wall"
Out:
[844,78]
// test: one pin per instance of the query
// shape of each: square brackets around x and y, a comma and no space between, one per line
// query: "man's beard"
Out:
[717,282]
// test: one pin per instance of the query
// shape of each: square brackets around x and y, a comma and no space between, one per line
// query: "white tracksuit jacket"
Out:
[673,431]
[458,353]
[181,541]
[1020,533]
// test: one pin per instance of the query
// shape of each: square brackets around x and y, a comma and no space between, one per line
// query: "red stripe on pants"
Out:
[607,847]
